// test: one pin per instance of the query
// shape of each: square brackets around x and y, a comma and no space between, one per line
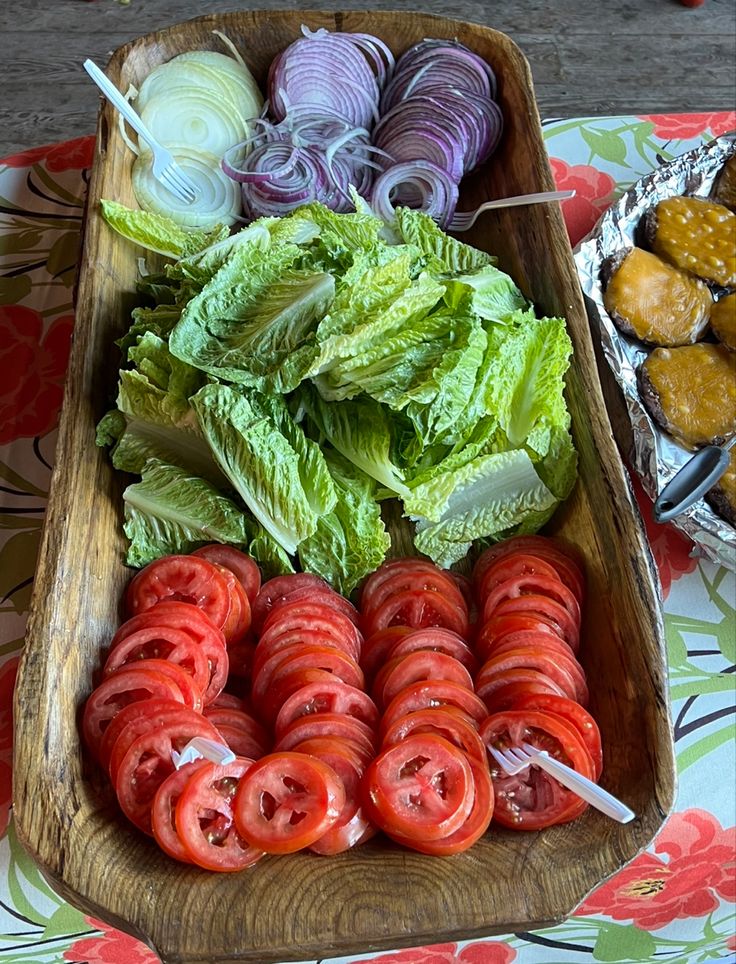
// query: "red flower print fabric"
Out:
[684,126]
[32,369]
[67,156]
[8,672]
[479,952]
[109,947]
[652,892]
[593,194]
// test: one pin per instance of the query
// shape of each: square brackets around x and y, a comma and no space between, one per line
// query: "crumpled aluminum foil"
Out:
[657,457]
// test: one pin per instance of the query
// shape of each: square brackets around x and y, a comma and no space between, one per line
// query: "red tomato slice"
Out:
[455,727]
[277,590]
[204,818]
[129,714]
[326,697]
[514,564]
[155,718]
[531,584]
[117,691]
[495,628]
[328,724]
[490,690]
[420,609]
[327,597]
[529,638]
[505,696]
[376,649]
[189,579]
[307,615]
[236,626]
[190,619]
[475,826]
[393,569]
[563,557]
[301,637]
[422,664]
[567,627]
[191,694]
[357,751]
[161,643]
[242,565]
[298,657]
[400,578]
[239,727]
[228,701]
[240,658]
[551,661]
[439,640]
[163,808]
[352,824]
[422,696]
[532,799]
[287,801]
[421,788]
[147,763]
[574,714]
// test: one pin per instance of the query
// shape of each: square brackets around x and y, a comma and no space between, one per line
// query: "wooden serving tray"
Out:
[379,896]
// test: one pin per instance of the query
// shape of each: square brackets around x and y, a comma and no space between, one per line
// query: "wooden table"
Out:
[588,57]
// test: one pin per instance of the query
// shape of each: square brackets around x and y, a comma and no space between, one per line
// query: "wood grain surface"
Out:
[588,57]
[379,896]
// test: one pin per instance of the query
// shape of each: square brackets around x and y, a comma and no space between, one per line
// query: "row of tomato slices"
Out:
[320,764]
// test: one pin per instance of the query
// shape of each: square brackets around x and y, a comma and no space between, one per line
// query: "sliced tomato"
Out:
[393,569]
[529,638]
[236,626]
[422,696]
[240,657]
[422,664]
[532,799]
[190,692]
[301,637]
[117,691]
[308,615]
[240,730]
[439,640]
[327,597]
[286,685]
[420,609]
[561,555]
[475,825]
[505,696]
[287,801]
[328,724]
[147,762]
[448,722]
[421,788]
[161,643]
[159,717]
[549,660]
[352,825]
[331,696]
[189,579]
[278,589]
[205,822]
[531,584]
[298,657]
[357,751]
[129,714]
[188,618]
[376,649]
[228,701]
[536,604]
[242,565]
[574,714]
[401,578]
[511,565]
[490,690]
[164,807]
[495,628]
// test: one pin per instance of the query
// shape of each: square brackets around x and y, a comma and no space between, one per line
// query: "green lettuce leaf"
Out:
[157,233]
[351,541]
[172,511]
[444,255]
[283,484]
[493,294]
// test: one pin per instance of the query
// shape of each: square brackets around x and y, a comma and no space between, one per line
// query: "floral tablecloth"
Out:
[675,902]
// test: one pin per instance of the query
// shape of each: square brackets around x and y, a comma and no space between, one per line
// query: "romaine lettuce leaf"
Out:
[172,511]
[444,255]
[156,233]
[494,296]
[283,484]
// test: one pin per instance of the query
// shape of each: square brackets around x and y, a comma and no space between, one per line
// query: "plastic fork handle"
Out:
[694,479]
[119,102]
[589,791]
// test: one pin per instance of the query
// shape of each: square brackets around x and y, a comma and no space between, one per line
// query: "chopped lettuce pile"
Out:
[285,380]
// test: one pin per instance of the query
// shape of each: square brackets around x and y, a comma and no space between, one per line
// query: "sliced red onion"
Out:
[418,184]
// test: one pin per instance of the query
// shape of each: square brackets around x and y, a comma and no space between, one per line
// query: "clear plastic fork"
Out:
[515,759]
[165,169]
[464,220]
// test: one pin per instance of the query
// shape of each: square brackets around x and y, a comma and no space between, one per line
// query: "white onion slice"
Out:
[218,198]
[197,117]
